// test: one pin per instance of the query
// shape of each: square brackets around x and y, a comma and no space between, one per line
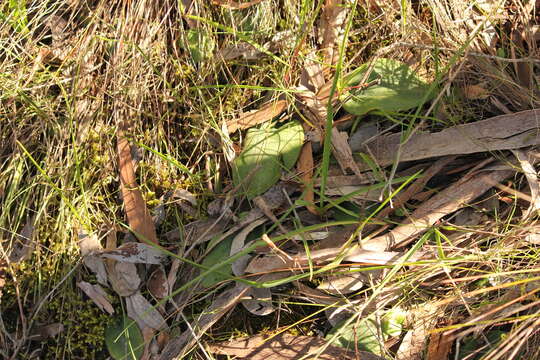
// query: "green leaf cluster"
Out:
[266,152]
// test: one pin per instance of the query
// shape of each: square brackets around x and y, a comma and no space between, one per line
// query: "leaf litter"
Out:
[265,167]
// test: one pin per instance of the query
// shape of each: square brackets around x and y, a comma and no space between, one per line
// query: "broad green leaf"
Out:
[200,45]
[399,88]
[124,339]
[266,152]
[368,335]
[219,253]
[392,322]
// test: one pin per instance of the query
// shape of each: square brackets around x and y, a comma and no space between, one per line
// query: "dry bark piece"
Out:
[265,113]
[441,204]
[331,30]
[90,247]
[286,347]
[139,218]
[97,295]
[146,316]
[267,263]
[504,132]
[417,186]
[137,253]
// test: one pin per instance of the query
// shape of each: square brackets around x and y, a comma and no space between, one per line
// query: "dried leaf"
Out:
[267,263]
[228,4]
[305,168]
[265,113]
[475,92]
[421,322]
[502,132]
[342,284]
[90,247]
[242,50]
[97,295]
[23,245]
[137,253]
[123,277]
[340,147]
[258,301]
[365,132]
[42,333]
[185,195]
[140,310]
[312,77]
[439,347]
[158,284]
[237,245]
[139,218]
[532,179]
[286,347]
[402,197]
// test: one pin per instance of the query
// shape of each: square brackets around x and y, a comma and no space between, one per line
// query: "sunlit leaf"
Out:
[266,152]
[369,334]
[200,45]
[399,88]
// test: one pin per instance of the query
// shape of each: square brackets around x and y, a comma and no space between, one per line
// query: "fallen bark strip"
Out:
[287,347]
[446,202]
[504,132]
